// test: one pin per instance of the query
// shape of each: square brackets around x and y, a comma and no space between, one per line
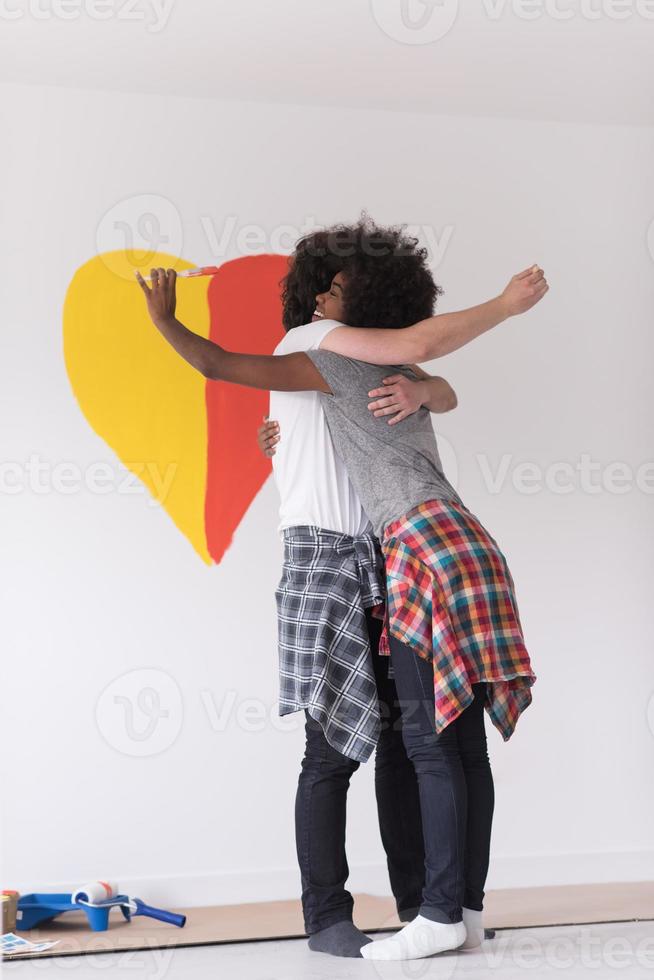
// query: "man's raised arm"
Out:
[438,335]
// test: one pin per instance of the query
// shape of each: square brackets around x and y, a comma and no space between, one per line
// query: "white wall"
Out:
[96,586]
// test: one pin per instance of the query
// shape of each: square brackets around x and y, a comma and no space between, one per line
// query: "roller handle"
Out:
[172,917]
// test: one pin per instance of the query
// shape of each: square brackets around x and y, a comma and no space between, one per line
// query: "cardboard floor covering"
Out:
[505,909]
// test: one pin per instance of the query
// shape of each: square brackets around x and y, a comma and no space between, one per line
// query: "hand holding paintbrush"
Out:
[203,270]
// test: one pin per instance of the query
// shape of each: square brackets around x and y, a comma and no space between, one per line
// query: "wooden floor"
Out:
[505,909]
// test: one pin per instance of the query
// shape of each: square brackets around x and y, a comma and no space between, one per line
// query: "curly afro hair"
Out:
[311,269]
[388,282]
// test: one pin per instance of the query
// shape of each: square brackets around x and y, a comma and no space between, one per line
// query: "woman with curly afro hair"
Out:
[389,280]
[452,628]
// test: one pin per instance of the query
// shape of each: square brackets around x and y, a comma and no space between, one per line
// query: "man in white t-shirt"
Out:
[332,586]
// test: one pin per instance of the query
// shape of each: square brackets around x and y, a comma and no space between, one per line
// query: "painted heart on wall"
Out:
[192,442]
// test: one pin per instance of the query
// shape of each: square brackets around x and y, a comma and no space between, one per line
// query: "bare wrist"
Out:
[163,319]
[502,307]
[425,391]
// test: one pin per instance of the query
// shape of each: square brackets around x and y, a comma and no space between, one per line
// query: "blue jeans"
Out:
[320,813]
[456,789]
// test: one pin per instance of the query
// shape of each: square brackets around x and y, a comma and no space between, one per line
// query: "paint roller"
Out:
[104,894]
[94,893]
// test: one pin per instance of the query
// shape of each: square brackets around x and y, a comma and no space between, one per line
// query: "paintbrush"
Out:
[203,270]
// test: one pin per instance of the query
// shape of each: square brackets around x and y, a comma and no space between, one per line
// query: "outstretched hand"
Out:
[161,296]
[525,290]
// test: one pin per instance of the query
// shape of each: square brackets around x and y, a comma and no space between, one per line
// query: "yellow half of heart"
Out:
[135,391]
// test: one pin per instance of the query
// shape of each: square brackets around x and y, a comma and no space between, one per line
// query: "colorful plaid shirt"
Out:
[451,597]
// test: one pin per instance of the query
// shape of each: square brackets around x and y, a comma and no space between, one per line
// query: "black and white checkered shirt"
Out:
[325,661]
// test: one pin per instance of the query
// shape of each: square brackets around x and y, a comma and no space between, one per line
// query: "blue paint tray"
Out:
[38,907]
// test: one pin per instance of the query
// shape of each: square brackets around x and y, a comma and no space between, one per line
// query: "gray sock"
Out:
[341,939]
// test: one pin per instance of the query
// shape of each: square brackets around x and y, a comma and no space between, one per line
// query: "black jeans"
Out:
[320,810]
[456,789]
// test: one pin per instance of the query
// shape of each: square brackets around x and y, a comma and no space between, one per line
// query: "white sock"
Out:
[472,920]
[419,938]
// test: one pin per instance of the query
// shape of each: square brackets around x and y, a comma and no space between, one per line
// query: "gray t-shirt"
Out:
[392,467]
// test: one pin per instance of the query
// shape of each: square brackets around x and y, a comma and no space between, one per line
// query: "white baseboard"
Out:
[230,888]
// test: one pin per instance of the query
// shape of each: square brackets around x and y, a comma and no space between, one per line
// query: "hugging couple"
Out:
[398,622]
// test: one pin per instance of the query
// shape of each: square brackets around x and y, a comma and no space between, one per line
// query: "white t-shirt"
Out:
[312,480]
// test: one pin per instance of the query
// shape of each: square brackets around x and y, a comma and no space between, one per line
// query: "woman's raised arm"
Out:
[287,372]
[438,335]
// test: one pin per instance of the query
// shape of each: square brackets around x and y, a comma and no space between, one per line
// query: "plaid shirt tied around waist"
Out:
[451,598]
[325,662]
